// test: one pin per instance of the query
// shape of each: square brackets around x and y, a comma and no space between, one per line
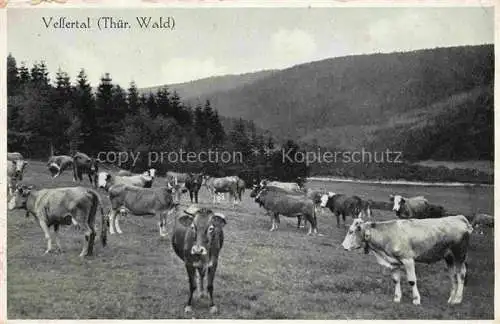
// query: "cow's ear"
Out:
[219,219]
[186,220]
[391,197]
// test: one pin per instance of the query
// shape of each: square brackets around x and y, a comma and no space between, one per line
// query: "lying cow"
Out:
[278,202]
[197,240]
[82,164]
[138,201]
[415,207]
[13,156]
[193,185]
[106,180]
[340,204]
[232,185]
[481,221]
[62,206]
[15,171]
[398,244]
[148,173]
[289,186]
[57,164]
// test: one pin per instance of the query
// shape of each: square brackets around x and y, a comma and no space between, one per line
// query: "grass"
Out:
[261,274]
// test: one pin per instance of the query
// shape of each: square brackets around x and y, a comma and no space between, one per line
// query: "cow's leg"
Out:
[210,287]
[117,220]
[163,223]
[396,277]
[56,236]
[88,246]
[196,196]
[46,232]
[90,179]
[201,277]
[191,271]
[337,215]
[450,263]
[460,273]
[112,214]
[275,221]
[299,218]
[409,265]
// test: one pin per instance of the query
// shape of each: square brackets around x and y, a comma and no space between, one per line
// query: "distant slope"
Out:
[193,90]
[419,102]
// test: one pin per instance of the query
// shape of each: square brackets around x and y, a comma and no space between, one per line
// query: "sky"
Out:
[218,41]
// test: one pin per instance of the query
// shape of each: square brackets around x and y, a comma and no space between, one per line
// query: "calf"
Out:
[398,244]
[140,202]
[279,202]
[82,163]
[57,164]
[197,240]
[62,206]
[340,204]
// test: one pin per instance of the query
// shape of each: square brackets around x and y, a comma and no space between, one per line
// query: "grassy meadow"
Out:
[261,274]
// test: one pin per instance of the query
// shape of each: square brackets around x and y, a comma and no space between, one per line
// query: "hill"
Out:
[431,104]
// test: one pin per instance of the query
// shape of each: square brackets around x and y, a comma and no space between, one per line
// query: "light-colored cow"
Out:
[62,206]
[106,180]
[57,164]
[398,244]
[232,185]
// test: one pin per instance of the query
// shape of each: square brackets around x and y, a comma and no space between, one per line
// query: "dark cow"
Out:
[140,202]
[82,163]
[415,207]
[57,164]
[62,206]
[481,221]
[193,184]
[340,204]
[398,244]
[278,202]
[198,238]
[314,195]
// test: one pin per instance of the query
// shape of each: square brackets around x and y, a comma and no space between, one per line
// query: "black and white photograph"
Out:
[307,162]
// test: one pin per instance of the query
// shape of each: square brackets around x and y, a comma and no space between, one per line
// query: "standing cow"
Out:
[398,244]
[62,206]
[232,185]
[193,184]
[57,164]
[82,163]
[197,240]
[340,204]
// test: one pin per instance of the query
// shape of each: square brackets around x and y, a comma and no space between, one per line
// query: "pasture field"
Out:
[261,274]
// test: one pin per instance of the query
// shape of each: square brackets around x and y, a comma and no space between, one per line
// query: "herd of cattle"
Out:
[423,231]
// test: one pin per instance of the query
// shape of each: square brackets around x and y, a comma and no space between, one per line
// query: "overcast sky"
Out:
[207,42]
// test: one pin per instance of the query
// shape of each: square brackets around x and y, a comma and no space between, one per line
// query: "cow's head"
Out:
[195,179]
[398,201]
[357,235]
[256,188]
[19,166]
[204,233]
[94,165]
[325,199]
[152,172]
[20,197]
[103,179]
[53,168]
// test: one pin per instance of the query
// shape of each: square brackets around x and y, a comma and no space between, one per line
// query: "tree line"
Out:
[51,117]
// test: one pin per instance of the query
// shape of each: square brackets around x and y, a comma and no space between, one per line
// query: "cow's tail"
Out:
[104,220]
